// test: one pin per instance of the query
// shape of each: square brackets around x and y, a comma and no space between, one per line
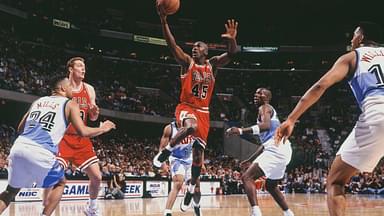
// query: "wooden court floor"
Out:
[301,204]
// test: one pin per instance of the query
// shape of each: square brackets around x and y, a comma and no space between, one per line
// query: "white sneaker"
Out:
[288,213]
[156,161]
[91,211]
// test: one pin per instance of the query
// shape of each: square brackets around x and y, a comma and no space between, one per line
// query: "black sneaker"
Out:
[197,211]
[168,214]
[161,157]
[186,201]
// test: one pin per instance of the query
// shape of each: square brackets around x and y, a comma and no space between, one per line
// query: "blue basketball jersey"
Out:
[46,122]
[368,79]
[275,123]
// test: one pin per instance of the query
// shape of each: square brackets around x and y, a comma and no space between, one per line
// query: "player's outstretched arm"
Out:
[181,57]
[230,36]
[338,72]
[72,112]
[265,113]
[20,127]
[165,137]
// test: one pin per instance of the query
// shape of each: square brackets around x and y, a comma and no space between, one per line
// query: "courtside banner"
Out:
[209,187]
[29,194]
[77,189]
[206,188]
[134,189]
[157,188]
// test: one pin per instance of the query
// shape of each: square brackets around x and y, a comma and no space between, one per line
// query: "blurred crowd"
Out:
[127,83]
[123,156]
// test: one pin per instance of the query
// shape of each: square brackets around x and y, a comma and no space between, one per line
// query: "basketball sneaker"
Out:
[91,211]
[184,205]
[161,157]
[196,209]
[288,213]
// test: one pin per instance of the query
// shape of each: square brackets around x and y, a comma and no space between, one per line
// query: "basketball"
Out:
[170,6]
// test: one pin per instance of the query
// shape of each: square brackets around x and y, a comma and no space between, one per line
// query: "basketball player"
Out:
[363,148]
[32,157]
[74,147]
[273,159]
[197,83]
[180,166]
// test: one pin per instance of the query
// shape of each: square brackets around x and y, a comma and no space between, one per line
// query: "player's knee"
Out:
[270,185]
[9,194]
[95,179]
[246,177]
[178,185]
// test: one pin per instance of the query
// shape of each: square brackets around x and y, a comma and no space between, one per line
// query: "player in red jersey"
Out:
[75,148]
[197,84]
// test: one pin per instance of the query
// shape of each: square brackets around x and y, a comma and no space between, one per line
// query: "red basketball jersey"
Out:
[197,85]
[82,98]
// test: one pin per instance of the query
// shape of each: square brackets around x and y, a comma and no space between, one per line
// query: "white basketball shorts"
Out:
[274,159]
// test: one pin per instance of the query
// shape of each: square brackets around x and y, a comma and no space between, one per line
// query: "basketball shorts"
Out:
[364,146]
[31,165]
[184,111]
[274,159]
[180,167]
[78,150]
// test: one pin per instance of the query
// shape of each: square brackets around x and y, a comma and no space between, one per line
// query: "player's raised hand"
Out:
[160,10]
[232,131]
[284,131]
[107,126]
[231,29]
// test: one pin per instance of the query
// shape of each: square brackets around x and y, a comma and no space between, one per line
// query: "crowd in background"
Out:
[120,155]
[135,85]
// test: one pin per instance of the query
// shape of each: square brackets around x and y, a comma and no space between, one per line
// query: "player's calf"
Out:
[7,196]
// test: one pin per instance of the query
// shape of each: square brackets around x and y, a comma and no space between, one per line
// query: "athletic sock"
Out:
[92,203]
[167,211]
[256,211]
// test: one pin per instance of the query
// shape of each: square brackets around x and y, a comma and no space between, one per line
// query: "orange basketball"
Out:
[170,6]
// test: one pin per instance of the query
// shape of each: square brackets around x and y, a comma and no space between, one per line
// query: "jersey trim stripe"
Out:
[64,117]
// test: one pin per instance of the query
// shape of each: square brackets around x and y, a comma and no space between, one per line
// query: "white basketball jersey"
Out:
[184,149]
[46,122]
[368,79]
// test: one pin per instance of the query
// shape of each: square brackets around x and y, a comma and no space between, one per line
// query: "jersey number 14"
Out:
[376,69]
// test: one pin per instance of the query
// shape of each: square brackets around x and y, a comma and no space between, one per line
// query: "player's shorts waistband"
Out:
[200,109]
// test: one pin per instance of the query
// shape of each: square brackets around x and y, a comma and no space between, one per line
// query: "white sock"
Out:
[166,211]
[288,213]
[92,203]
[256,211]
[191,188]
[43,214]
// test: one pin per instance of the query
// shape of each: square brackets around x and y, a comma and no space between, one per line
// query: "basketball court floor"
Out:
[301,204]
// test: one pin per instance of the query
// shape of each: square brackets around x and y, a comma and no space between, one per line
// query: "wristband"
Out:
[255,129]
[240,131]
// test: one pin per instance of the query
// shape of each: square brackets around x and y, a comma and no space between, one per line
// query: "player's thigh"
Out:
[340,172]
[93,171]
